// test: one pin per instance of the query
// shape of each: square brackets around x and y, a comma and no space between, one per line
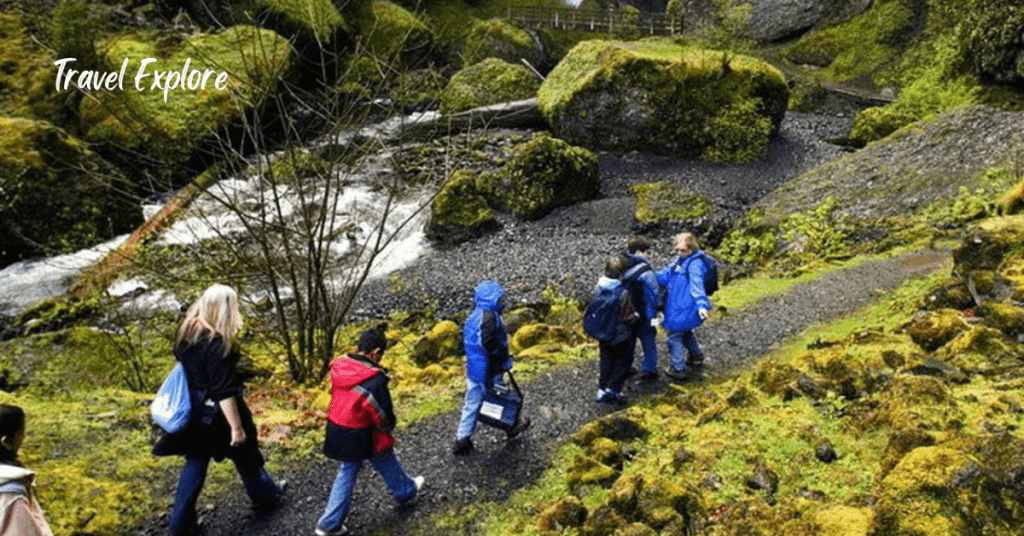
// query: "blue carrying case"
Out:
[501,405]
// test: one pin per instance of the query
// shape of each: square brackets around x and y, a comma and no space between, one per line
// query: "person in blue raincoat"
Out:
[686,308]
[487,358]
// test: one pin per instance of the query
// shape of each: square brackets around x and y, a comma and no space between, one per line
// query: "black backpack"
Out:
[710,273]
[610,315]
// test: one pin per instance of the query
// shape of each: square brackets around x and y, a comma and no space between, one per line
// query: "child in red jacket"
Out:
[359,425]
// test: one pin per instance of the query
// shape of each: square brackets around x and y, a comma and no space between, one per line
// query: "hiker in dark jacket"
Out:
[222,427]
[487,357]
[359,424]
[615,358]
[686,308]
[642,282]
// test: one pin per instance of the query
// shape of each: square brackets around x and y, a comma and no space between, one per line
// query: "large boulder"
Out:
[774,20]
[495,38]
[657,94]
[492,81]
[55,194]
[460,211]
[545,173]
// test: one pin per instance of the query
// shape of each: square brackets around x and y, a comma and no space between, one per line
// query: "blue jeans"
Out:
[258,485]
[677,341]
[402,487]
[648,336]
[471,407]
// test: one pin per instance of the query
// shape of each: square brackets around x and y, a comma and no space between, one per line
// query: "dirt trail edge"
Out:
[559,403]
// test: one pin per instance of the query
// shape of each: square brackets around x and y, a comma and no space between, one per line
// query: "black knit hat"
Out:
[373,338]
[638,243]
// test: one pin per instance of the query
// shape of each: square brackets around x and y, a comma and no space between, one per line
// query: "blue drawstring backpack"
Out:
[172,406]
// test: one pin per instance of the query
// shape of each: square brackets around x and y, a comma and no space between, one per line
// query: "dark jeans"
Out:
[258,484]
[616,360]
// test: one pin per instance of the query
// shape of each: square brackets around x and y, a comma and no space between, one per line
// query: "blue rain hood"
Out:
[488,295]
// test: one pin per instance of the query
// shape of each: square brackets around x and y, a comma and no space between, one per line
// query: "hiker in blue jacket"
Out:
[686,307]
[642,282]
[487,358]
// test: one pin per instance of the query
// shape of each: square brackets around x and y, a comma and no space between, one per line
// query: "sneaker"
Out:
[341,531]
[418,481]
[688,375]
[676,374]
[462,446]
[601,393]
[282,486]
[611,397]
[518,428]
[649,376]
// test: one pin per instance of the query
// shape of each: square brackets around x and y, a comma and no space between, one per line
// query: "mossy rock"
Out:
[742,396]
[545,173]
[950,293]
[622,96]
[922,402]
[492,81]
[391,32]
[460,211]
[988,243]
[587,471]
[774,378]
[932,329]
[636,529]
[607,452]
[901,442]
[434,374]
[1012,201]
[1005,317]
[564,513]
[496,38]
[662,201]
[982,350]
[443,340]
[602,521]
[656,501]
[74,197]
[928,492]
[172,130]
[532,335]
[841,520]
[616,427]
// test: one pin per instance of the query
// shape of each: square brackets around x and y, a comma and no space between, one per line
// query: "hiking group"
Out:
[631,300]
[203,412]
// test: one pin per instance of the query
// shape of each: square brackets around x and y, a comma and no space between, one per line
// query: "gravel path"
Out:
[567,248]
[557,402]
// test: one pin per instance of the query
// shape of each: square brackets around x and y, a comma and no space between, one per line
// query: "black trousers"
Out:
[616,360]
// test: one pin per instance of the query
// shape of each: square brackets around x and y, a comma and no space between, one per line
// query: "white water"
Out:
[359,209]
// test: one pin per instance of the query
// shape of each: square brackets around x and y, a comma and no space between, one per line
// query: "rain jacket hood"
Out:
[488,296]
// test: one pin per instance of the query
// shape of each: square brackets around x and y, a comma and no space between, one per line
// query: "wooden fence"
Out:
[642,23]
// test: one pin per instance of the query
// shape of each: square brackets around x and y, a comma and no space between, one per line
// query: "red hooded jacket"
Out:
[361,417]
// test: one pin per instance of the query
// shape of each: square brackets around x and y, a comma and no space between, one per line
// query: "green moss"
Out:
[495,38]
[321,17]
[663,201]
[859,46]
[254,59]
[491,81]
[392,32]
[459,209]
[27,78]
[734,102]
[75,197]
[545,173]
